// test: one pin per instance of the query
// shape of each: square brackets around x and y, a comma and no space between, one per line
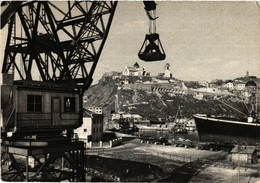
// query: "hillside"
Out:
[139,99]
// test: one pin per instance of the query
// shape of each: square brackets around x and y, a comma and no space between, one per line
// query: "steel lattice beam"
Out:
[57,42]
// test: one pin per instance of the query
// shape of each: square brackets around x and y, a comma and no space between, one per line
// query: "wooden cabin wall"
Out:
[47,118]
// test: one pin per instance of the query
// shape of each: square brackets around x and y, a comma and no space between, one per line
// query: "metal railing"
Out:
[39,119]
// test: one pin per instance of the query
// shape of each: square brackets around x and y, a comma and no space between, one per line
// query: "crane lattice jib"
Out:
[57,41]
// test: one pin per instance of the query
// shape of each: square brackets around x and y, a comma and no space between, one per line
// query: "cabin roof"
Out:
[65,85]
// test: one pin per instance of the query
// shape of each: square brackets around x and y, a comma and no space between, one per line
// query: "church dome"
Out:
[167,66]
[136,65]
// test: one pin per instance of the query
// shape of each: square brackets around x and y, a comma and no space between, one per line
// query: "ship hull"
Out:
[227,131]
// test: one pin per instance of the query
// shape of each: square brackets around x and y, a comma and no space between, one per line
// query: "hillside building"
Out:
[97,110]
[106,109]
[213,85]
[198,96]
[191,125]
[112,73]
[92,127]
[230,85]
[203,83]
[136,70]
[240,86]
[132,117]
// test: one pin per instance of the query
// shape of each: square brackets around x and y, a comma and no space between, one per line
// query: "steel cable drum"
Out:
[152,49]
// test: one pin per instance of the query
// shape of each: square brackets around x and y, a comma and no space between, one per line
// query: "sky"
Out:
[202,40]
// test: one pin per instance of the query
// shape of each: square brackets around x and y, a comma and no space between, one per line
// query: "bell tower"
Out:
[167,71]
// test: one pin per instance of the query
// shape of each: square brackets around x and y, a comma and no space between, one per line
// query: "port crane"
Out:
[65,43]
[51,53]
[60,44]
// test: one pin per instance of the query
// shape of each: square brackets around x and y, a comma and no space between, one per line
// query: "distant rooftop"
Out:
[244,150]
[88,113]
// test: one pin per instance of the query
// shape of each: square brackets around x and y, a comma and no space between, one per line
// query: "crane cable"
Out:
[154,13]
[151,13]
[230,106]
[150,26]
[152,22]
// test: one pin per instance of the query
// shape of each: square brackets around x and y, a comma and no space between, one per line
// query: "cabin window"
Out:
[34,103]
[69,104]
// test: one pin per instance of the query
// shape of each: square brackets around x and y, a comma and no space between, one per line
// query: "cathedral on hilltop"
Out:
[136,70]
